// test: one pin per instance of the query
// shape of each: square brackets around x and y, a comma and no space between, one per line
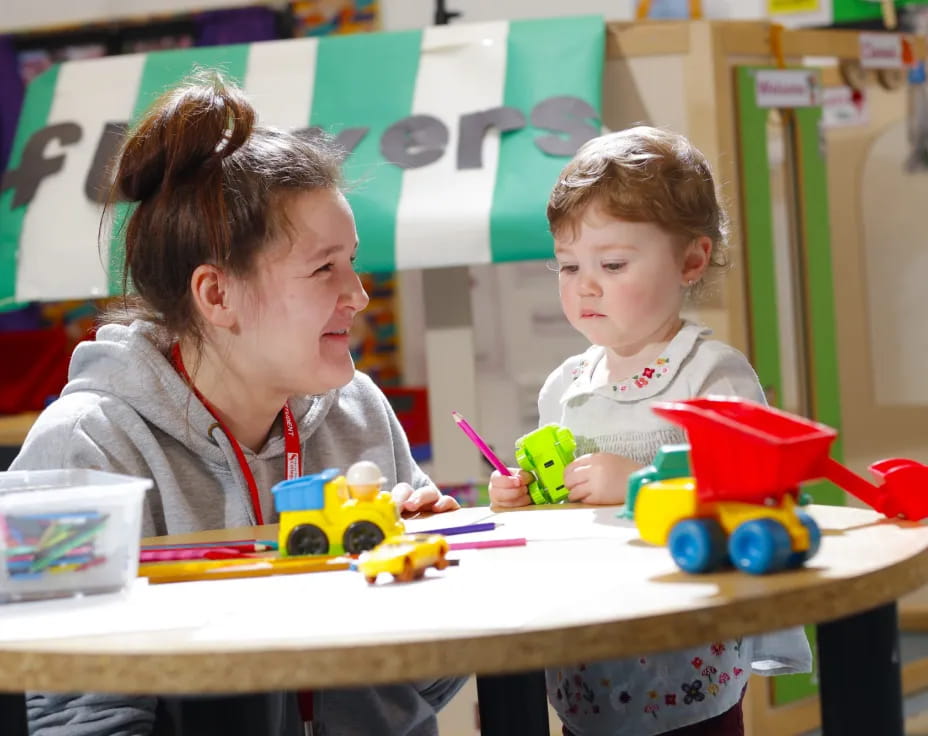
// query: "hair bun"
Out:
[194,126]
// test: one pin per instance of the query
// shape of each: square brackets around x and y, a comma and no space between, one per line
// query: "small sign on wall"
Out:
[881,51]
[787,88]
[844,106]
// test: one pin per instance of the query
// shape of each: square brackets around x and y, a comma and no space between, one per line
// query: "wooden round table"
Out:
[583,588]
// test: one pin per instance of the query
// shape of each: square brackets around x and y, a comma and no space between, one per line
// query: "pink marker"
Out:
[481,445]
[488,543]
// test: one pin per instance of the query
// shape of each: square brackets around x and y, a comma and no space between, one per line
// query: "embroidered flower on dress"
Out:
[712,689]
[737,671]
[652,708]
[717,648]
[696,662]
[640,380]
[619,698]
[694,693]
[670,699]
[724,678]
[709,671]
[575,373]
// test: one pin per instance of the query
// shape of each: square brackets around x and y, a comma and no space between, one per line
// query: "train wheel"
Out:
[797,559]
[697,545]
[760,546]
[361,536]
[307,539]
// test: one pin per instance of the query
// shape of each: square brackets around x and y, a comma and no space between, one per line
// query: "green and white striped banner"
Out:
[457,134]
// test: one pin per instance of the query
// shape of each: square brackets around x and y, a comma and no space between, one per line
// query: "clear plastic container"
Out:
[68,532]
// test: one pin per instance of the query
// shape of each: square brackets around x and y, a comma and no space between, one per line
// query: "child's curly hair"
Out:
[645,174]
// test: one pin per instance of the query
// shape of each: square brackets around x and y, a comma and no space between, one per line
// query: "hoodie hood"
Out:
[129,362]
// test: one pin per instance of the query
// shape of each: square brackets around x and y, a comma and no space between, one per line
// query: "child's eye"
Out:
[567,268]
[324,269]
[613,267]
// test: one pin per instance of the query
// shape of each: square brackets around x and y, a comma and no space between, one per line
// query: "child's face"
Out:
[621,283]
[295,316]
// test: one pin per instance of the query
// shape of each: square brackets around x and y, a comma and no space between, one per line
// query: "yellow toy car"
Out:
[319,516]
[405,557]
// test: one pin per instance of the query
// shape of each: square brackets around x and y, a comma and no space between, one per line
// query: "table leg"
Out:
[513,705]
[13,714]
[861,680]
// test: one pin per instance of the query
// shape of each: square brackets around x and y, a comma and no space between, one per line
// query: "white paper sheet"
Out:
[139,608]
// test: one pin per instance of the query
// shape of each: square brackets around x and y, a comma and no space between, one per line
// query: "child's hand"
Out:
[510,490]
[599,478]
[409,500]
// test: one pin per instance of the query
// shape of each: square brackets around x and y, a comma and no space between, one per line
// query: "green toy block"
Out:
[545,453]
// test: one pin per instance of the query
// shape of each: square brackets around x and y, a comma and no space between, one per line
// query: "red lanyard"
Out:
[293,452]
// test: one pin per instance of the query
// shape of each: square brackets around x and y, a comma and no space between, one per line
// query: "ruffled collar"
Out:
[647,382]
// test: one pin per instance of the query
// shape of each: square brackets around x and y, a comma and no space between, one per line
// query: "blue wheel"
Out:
[760,546]
[797,559]
[697,545]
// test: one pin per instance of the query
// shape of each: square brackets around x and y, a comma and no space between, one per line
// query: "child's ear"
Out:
[696,259]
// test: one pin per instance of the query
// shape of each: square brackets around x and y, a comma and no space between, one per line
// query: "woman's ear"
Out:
[696,259]
[210,289]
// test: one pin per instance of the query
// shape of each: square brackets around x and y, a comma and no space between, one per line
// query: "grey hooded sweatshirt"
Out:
[126,410]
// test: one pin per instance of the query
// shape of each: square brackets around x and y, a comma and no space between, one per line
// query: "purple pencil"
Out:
[480,444]
[466,529]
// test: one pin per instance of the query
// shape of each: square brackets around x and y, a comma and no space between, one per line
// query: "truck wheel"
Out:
[537,494]
[797,559]
[307,539]
[697,545]
[408,574]
[760,546]
[361,536]
[442,562]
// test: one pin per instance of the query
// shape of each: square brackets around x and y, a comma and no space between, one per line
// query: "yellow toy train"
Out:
[328,514]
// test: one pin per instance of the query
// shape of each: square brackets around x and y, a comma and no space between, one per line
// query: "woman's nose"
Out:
[355,295]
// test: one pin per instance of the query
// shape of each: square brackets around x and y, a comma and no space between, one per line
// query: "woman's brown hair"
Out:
[644,174]
[208,186]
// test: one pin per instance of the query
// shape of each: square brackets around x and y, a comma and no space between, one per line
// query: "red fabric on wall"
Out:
[33,368]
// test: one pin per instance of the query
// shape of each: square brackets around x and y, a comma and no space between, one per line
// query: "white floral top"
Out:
[656,693]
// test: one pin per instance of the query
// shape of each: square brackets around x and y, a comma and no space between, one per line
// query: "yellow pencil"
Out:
[177,572]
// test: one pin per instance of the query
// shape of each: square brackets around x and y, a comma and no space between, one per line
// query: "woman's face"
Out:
[302,298]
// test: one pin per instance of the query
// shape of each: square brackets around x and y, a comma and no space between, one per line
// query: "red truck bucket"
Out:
[744,451]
